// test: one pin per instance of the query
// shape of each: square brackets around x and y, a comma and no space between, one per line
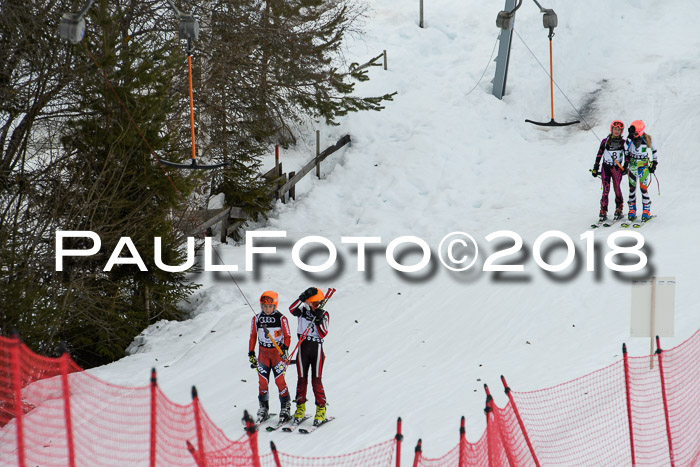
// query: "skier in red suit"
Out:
[311,357]
[267,325]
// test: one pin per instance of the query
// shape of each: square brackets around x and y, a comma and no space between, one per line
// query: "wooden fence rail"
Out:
[209,217]
[311,164]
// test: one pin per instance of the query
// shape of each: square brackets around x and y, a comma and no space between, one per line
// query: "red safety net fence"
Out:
[375,456]
[637,411]
[240,452]
[52,413]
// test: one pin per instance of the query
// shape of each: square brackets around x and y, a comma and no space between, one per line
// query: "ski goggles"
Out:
[267,301]
[617,124]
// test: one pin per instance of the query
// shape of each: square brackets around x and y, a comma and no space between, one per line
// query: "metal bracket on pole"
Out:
[189,27]
[72,26]
[549,18]
[505,20]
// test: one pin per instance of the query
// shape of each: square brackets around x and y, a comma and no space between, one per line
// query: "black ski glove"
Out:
[624,169]
[318,315]
[594,172]
[652,169]
[252,359]
[631,131]
[285,353]
[308,293]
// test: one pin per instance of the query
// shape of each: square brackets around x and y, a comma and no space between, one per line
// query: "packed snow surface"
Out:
[442,159]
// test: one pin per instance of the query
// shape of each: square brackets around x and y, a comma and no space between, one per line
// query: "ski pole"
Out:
[267,334]
[658,186]
[329,294]
[289,360]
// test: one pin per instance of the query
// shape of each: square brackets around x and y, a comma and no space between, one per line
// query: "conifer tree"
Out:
[118,189]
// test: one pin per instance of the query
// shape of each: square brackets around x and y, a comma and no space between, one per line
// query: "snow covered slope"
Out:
[439,160]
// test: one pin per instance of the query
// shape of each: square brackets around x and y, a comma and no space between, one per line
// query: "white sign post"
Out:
[652,309]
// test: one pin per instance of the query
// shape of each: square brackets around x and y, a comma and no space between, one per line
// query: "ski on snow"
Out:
[597,224]
[313,428]
[605,223]
[638,224]
[259,422]
[279,424]
[294,425]
[610,224]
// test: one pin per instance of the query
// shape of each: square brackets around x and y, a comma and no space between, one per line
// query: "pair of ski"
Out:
[636,225]
[624,225]
[605,223]
[294,425]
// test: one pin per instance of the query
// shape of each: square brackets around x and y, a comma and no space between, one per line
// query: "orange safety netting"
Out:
[637,411]
[464,454]
[53,413]
[381,454]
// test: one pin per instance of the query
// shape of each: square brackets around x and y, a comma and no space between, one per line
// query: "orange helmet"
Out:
[638,127]
[617,124]
[316,298]
[269,298]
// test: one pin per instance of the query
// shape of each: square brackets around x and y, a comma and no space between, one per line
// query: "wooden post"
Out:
[292,190]
[652,331]
[278,169]
[421,14]
[277,156]
[318,153]
[384,59]
[224,227]
[147,299]
[280,184]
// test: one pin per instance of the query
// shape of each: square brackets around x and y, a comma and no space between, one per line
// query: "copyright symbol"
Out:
[457,243]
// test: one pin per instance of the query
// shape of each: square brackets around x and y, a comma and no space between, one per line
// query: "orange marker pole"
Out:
[189,69]
[551,79]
